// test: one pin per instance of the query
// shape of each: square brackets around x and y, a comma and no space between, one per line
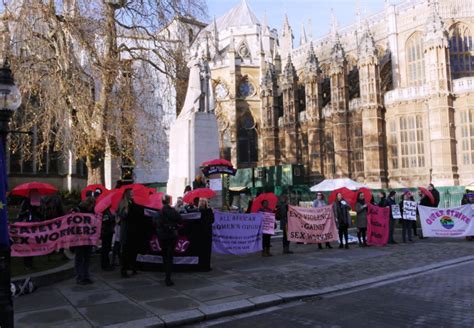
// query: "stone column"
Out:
[313,92]
[373,124]
[290,112]
[340,111]
[444,169]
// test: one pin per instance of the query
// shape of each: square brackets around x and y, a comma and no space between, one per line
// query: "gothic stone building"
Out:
[387,101]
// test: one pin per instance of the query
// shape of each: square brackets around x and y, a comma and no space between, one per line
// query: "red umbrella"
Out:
[348,195]
[154,201]
[104,201]
[268,196]
[138,191]
[428,194]
[367,194]
[92,188]
[43,189]
[198,193]
[218,161]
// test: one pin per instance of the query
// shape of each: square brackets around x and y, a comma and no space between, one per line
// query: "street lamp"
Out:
[10,100]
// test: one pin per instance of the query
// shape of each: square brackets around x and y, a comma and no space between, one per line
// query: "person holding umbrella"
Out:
[343,219]
[320,202]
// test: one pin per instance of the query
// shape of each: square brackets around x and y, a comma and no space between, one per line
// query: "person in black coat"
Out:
[83,254]
[388,203]
[131,235]
[166,225]
[435,194]
[207,217]
[106,234]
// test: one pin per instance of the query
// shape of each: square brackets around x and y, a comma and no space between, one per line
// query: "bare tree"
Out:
[75,63]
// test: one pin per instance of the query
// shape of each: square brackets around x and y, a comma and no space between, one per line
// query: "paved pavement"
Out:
[443,298]
[236,284]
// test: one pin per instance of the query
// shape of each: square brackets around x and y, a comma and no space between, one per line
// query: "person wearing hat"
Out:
[388,203]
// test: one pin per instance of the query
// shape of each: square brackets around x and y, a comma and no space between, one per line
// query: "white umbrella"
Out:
[332,184]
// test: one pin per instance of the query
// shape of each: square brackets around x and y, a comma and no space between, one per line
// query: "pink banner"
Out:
[41,238]
[377,225]
[311,225]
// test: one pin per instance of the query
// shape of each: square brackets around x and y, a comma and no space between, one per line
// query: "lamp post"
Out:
[10,100]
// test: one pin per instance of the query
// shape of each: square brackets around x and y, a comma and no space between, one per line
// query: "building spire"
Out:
[303,38]
[333,25]
[310,29]
[266,29]
[435,33]
[216,36]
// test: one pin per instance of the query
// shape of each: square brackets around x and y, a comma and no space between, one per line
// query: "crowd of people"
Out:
[121,235]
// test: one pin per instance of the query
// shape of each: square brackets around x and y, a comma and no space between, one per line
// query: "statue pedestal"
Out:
[194,139]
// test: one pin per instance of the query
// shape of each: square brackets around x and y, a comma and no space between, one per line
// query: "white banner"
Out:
[447,222]
[396,214]
[409,210]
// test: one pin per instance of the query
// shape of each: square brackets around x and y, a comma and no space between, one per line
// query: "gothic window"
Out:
[353,79]
[326,89]
[467,136]
[247,149]
[461,51]
[386,77]
[358,148]
[393,144]
[411,142]
[415,60]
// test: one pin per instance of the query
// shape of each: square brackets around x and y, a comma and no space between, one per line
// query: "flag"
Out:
[4,238]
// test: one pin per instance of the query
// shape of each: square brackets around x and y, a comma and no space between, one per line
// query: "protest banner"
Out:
[377,225]
[311,225]
[193,246]
[41,238]
[396,213]
[268,223]
[409,210]
[234,233]
[447,222]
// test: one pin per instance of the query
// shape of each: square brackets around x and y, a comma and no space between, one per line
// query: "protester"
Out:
[52,207]
[30,211]
[83,253]
[407,225]
[129,236]
[435,194]
[320,202]
[199,183]
[207,217]
[116,249]
[388,203]
[187,189]
[179,206]
[343,219]
[266,238]
[361,219]
[468,198]
[106,235]
[166,225]
[383,197]
[282,216]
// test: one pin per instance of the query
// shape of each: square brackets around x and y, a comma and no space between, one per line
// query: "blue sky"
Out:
[300,11]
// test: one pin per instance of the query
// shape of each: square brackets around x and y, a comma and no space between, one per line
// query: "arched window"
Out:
[461,51]
[466,125]
[415,60]
[247,149]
